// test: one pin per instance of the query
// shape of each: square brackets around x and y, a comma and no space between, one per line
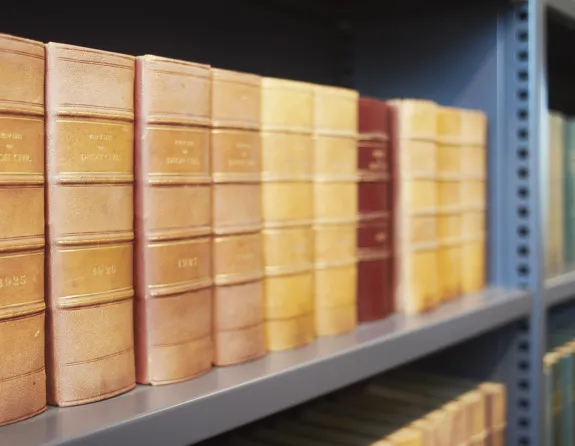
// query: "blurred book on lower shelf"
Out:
[559,386]
[406,407]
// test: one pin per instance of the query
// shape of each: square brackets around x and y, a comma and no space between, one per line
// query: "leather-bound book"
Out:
[287,205]
[415,220]
[238,309]
[473,199]
[335,209]
[22,372]
[449,210]
[173,258]
[89,173]
[375,203]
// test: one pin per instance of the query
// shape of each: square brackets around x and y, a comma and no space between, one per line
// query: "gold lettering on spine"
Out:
[191,262]
[104,270]
[12,281]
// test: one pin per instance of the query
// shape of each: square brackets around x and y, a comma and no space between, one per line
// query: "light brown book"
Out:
[22,367]
[555,219]
[449,203]
[89,174]
[335,209]
[172,220]
[415,228]
[496,394]
[238,310]
[473,198]
[287,206]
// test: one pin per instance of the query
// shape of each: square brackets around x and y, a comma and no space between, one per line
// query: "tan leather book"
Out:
[22,367]
[415,228]
[449,203]
[238,308]
[287,206]
[89,170]
[172,221]
[335,209]
[496,395]
[555,218]
[473,198]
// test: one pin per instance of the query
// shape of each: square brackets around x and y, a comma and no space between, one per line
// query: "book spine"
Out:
[569,193]
[375,205]
[238,319]
[22,308]
[335,209]
[287,200]
[90,139]
[173,264]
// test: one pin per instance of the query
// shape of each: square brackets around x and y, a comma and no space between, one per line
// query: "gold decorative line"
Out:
[93,299]
[303,316]
[282,128]
[162,235]
[423,246]
[32,252]
[21,375]
[97,121]
[335,264]
[375,137]
[245,327]
[367,254]
[236,278]
[233,230]
[22,53]
[287,178]
[100,358]
[205,76]
[22,243]
[22,118]
[335,133]
[373,177]
[319,221]
[374,216]
[233,125]
[95,62]
[159,291]
[189,125]
[287,224]
[71,49]
[187,341]
[236,178]
[72,239]
[279,270]
[93,178]
[22,309]
[194,241]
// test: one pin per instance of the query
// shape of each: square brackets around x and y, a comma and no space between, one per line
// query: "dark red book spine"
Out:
[375,208]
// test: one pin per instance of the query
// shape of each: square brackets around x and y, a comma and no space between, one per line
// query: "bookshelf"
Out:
[233,396]
[485,54]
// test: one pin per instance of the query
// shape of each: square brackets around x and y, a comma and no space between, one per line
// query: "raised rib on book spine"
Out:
[375,204]
[335,209]
[287,200]
[238,317]
[22,372]
[90,139]
[173,259]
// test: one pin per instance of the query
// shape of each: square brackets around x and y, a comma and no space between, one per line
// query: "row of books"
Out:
[409,408]
[559,385]
[244,214]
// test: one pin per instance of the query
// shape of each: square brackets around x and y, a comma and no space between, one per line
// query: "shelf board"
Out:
[560,289]
[225,398]
[564,7]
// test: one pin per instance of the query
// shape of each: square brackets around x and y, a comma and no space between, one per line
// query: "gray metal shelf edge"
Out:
[225,398]
[565,7]
[560,289]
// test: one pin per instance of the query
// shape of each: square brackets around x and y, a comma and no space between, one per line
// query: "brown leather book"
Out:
[287,200]
[89,173]
[173,261]
[335,209]
[375,200]
[22,371]
[238,310]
